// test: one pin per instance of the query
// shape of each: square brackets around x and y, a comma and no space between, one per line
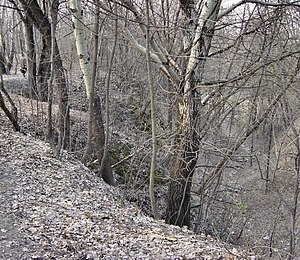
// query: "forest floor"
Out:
[58,209]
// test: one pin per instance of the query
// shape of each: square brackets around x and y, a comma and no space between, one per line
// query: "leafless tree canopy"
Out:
[190,107]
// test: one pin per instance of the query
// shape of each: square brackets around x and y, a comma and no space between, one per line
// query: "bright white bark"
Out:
[81,44]
[201,42]
[200,47]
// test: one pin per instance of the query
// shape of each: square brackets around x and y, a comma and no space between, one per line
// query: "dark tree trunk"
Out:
[31,58]
[179,195]
[44,68]
[105,170]
[198,36]
[12,52]
[41,22]
[13,114]
[2,64]
[63,101]
[11,56]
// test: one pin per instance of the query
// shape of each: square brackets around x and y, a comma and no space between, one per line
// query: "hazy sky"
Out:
[228,2]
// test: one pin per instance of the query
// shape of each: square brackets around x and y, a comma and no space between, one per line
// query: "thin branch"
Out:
[234,6]
[223,162]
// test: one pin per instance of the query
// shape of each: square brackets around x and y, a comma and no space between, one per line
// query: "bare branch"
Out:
[234,6]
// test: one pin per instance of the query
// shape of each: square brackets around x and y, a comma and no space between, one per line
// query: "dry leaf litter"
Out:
[58,209]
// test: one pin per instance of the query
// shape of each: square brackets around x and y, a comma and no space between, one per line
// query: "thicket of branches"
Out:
[196,100]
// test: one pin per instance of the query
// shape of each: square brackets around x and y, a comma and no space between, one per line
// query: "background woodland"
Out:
[190,107]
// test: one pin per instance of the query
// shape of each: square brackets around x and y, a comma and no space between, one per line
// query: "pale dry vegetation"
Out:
[226,110]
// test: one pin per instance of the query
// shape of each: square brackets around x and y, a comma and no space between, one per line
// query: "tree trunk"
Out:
[63,101]
[198,41]
[153,117]
[44,68]
[41,22]
[12,52]
[12,115]
[89,75]
[90,91]
[31,57]
[105,170]
[179,197]
[3,63]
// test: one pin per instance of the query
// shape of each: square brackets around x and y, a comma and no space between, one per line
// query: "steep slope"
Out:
[58,209]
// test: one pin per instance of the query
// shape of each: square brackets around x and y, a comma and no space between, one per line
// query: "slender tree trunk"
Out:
[292,249]
[153,118]
[12,52]
[49,135]
[269,139]
[12,115]
[89,143]
[105,170]
[3,64]
[63,102]
[105,162]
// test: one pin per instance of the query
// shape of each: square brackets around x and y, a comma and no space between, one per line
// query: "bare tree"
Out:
[41,22]
[190,78]
[95,115]
[153,117]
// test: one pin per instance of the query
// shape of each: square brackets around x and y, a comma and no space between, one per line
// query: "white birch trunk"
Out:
[95,120]
[81,44]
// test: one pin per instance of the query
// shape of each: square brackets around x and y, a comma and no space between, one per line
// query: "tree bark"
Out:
[197,43]
[89,75]
[12,52]
[31,57]
[3,65]
[153,117]
[41,22]
[89,144]
[12,115]
[178,204]
[81,45]
[105,170]
[44,67]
